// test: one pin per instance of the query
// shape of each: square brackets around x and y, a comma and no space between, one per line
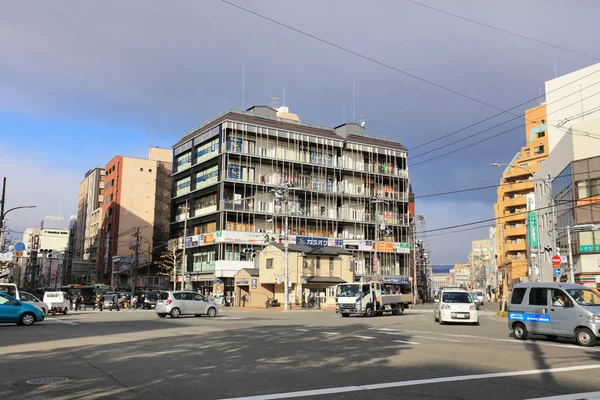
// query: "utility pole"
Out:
[137,258]
[414,247]
[283,193]
[2,214]
[183,259]
[571,271]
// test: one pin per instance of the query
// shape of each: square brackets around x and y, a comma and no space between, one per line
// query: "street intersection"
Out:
[270,354]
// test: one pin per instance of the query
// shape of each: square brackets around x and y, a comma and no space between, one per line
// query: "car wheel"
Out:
[435,319]
[369,312]
[585,337]
[27,319]
[175,313]
[520,331]
[379,313]
[65,311]
[400,311]
[212,312]
[345,315]
[440,319]
[161,315]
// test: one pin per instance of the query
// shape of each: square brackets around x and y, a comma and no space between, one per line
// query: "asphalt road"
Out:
[270,354]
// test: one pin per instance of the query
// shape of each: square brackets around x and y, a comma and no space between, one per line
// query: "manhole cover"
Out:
[44,381]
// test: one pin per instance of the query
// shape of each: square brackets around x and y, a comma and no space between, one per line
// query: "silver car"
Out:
[31,299]
[176,303]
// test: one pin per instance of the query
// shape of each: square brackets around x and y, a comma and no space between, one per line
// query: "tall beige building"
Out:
[479,261]
[137,194]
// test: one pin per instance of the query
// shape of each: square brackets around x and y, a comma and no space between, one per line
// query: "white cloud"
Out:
[453,247]
[32,180]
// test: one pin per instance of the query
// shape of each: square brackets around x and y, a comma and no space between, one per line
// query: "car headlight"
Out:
[472,307]
[445,307]
[594,319]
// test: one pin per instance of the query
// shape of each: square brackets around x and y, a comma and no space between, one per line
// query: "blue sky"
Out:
[82,82]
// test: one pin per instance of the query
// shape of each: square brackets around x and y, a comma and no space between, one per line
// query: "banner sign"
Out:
[532,221]
[515,316]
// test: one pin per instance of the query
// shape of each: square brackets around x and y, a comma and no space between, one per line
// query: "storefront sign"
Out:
[403,248]
[312,241]
[532,221]
[354,244]
[241,281]
[335,243]
[218,287]
[396,279]
[589,248]
[385,246]
[588,201]
[239,237]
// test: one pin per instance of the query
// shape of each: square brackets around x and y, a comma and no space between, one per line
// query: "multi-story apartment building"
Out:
[346,189]
[91,191]
[460,276]
[516,189]
[479,259]
[569,194]
[136,199]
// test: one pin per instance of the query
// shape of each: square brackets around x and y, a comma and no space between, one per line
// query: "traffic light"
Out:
[45,253]
[249,252]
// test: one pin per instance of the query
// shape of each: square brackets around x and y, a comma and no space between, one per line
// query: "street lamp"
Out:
[575,229]
[539,253]
[2,224]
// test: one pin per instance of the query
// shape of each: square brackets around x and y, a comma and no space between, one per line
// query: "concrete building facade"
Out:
[569,194]
[135,199]
[515,190]
[347,189]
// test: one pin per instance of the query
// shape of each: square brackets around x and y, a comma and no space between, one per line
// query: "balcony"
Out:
[518,231]
[526,186]
[517,201]
[518,216]
[519,246]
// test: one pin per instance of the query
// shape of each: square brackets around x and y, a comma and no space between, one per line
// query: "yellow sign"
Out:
[385,246]
[588,201]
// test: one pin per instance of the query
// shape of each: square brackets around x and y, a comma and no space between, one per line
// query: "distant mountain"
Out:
[439,269]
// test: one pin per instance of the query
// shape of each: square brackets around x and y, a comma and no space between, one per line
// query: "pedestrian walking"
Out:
[101,301]
[77,302]
[115,302]
[243,300]
[133,303]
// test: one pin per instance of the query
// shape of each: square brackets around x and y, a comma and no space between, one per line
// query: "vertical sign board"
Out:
[532,221]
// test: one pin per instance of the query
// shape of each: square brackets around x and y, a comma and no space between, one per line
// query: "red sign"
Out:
[556,261]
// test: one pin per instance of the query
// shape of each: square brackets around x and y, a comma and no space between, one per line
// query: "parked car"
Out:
[176,303]
[13,310]
[480,296]
[28,298]
[475,299]
[455,305]
[555,309]
[147,299]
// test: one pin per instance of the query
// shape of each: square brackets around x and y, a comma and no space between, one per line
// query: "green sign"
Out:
[533,229]
[589,248]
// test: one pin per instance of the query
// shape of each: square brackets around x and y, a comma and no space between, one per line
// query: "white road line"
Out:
[301,330]
[542,343]
[445,340]
[61,321]
[331,333]
[459,378]
[364,337]
[405,341]
[574,396]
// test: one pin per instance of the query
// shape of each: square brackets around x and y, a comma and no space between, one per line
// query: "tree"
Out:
[170,262]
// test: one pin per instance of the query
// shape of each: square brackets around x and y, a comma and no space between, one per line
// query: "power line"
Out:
[355,53]
[505,31]
[505,122]
[496,115]
[492,137]
[495,186]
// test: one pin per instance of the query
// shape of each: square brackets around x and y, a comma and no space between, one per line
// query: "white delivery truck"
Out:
[366,298]
[57,302]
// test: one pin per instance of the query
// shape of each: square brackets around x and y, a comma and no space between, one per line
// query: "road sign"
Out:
[6,256]
[375,264]
[20,247]
[556,260]
[557,271]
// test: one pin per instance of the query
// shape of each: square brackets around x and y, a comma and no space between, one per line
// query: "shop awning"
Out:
[323,279]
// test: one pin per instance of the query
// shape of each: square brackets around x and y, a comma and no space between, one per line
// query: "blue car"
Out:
[13,310]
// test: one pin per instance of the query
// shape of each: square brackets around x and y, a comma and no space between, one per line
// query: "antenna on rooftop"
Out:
[274,102]
[362,120]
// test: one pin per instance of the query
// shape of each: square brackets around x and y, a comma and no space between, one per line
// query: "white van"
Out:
[57,302]
[10,289]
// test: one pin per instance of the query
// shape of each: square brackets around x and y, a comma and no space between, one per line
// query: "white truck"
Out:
[367,299]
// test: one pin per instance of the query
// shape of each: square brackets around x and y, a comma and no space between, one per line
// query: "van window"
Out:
[538,297]
[559,298]
[518,296]
[366,289]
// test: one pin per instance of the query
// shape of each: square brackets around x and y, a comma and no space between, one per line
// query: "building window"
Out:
[141,169]
[269,263]
[541,134]
[538,149]
[207,177]
[330,264]
[183,186]
[318,261]
[583,189]
[150,170]
[184,161]
[154,280]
